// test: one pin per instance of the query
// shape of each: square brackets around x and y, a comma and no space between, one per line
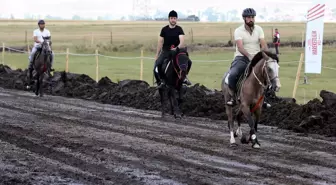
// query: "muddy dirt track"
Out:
[56,140]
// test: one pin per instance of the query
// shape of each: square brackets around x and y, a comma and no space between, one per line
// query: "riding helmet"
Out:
[41,22]
[249,12]
[172,14]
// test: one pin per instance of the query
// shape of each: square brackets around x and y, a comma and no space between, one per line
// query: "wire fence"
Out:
[140,57]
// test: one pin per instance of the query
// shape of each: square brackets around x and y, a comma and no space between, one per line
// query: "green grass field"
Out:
[76,35]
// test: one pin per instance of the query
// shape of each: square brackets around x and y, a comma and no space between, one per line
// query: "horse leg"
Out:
[253,137]
[229,113]
[239,116]
[173,99]
[41,84]
[162,94]
[171,102]
[257,114]
[37,88]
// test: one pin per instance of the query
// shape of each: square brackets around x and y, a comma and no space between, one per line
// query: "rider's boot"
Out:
[187,81]
[159,81]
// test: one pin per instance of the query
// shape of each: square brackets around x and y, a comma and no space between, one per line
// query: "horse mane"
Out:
[258,58]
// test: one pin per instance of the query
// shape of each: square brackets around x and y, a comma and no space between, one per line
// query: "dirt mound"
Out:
[313,117]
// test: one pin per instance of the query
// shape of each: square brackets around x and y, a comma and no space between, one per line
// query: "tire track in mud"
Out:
[150,138]
[204,168]
[145,132]
[275,175]
[10,136]
[176,132]
[88,148]
[304,142]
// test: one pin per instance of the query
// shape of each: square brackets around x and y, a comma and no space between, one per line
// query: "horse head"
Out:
[46,46]
[265,69]
[181,59]
[270,70]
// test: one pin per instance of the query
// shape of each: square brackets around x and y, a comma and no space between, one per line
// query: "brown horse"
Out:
[260,73]
[41,65]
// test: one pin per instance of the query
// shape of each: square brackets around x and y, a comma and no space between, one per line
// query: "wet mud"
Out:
[314,117]
[61,140]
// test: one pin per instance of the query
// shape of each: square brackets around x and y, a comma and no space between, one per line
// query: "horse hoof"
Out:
[244,139]
[177,116]
[233,145]
[256,146]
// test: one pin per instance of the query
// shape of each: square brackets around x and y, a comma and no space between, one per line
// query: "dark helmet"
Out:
[172,14]
[41,22]
[249,12]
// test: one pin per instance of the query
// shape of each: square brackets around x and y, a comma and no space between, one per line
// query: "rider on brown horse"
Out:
[171,35]
[248,39]
[39,34]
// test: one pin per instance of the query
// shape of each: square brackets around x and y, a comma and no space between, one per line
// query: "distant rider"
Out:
[38,34]
[248,39]
[171,35]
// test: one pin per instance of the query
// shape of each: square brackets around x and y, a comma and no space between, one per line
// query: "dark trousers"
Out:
[158,63]
[238,67]
[276,48]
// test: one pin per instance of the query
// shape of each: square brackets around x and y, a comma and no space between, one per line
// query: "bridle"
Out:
[264,70]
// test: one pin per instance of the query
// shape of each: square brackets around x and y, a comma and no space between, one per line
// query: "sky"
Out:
[88,8]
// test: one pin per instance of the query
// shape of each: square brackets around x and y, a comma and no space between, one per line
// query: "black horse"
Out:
[41,65]
[175,70]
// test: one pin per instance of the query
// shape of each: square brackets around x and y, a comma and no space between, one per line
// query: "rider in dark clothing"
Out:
[171,36]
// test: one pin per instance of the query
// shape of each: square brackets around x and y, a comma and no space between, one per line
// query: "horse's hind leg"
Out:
[239,117]
[229,114]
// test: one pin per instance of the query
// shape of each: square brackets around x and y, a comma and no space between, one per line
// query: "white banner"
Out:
[314,38]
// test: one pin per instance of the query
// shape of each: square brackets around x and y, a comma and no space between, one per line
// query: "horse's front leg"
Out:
[257,114]
[37,88]
[173,99]
[170,101]
[181,93]
[253,137]
[162,99]
[41,84]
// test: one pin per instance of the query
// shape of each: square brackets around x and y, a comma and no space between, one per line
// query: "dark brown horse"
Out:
[41,65]
[261,72]
[175,71]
